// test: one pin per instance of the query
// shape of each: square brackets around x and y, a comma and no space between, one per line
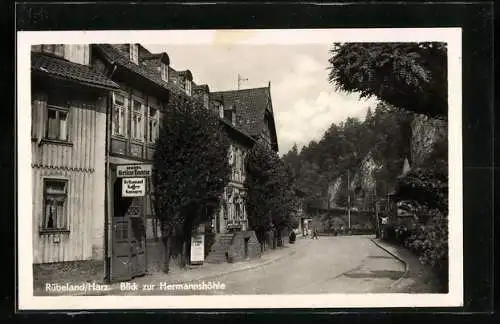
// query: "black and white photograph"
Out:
[240,168]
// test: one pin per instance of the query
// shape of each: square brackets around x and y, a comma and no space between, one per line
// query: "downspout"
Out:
[107,227]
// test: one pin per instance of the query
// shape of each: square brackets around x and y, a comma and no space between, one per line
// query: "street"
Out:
[342,264]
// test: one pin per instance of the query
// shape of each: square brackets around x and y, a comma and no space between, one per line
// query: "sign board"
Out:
[197,248]
[133,187]
[133,170]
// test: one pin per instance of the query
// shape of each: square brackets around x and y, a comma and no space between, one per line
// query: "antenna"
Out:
[240,78]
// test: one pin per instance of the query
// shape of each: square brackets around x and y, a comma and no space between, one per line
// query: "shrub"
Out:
[430,243]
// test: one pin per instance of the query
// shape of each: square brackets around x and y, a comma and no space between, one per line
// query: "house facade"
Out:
[249,116]
[69,102]
[97,110]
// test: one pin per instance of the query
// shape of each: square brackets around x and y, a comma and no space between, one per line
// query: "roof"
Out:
[202,87]
[115,55]
[60,67]
[250,107]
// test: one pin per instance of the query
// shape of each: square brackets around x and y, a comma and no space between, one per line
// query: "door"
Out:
[128,253]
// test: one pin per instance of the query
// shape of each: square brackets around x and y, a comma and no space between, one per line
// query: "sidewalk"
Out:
[418,278]
[205,272]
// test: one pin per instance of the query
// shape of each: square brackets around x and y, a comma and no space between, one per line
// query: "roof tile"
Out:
[61,67]
[250,105]
[115,55]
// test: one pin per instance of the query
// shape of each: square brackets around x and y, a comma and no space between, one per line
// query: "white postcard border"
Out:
[452,36]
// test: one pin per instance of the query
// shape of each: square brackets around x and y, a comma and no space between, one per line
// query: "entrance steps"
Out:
[218,252]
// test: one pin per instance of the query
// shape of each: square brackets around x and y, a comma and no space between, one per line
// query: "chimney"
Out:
[269,85]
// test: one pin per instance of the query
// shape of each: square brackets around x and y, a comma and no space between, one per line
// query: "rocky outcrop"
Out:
[426,132]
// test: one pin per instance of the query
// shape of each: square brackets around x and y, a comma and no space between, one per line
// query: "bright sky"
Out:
[305,104]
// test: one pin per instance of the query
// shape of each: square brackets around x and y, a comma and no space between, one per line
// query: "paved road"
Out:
[347,264]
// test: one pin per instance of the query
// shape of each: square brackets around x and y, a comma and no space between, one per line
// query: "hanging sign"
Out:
[133,170]
[133,187]
[197,248]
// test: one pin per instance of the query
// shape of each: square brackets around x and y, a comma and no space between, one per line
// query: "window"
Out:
[221,111]
[54,49]
[134,53]
[205,100]
[188,87]
[119,115]
[57,123]
[164,72]
[54,209]
[137,121]
[153,125]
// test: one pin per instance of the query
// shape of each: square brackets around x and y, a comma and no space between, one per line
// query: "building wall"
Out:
[80,164]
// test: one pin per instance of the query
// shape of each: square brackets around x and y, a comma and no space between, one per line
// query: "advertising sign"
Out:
[133,170]
[133,187]
[197,248]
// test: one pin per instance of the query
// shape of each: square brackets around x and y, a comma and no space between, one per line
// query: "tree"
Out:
[271,201]
[190,171]
[412,76]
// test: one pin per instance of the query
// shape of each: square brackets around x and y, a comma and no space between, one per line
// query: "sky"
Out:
[304,102]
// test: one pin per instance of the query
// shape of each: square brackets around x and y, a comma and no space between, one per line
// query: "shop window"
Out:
[55,209]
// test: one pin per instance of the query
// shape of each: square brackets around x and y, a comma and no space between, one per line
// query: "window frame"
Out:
[124,110]
[188,86]
[206,100]
[142,136]
[164,72]
[43,228]
[58,109]
[156,118]
[221,110]
[134,53]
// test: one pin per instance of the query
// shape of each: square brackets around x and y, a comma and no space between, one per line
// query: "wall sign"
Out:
[133,187]
[133,170]
[197,248]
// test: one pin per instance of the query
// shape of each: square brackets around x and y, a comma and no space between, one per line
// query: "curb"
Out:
[207,277]
[247,268]
[407,266]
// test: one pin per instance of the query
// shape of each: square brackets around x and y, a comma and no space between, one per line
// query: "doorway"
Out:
[128,235]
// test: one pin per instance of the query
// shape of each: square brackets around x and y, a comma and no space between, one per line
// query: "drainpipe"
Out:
[107,227]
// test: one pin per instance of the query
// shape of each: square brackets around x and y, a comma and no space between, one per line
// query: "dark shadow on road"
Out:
[391,274]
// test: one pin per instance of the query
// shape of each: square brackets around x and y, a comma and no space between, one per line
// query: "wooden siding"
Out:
[80,162]
[77,243]
[77,53]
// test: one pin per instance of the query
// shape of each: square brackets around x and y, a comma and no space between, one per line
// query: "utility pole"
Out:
[240,79]
[348,199]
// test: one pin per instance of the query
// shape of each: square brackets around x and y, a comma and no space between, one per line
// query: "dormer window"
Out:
[134,53]
[164,72]
[221,111]
[205,100]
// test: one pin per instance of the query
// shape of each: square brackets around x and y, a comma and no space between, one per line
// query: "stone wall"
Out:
[236,251]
